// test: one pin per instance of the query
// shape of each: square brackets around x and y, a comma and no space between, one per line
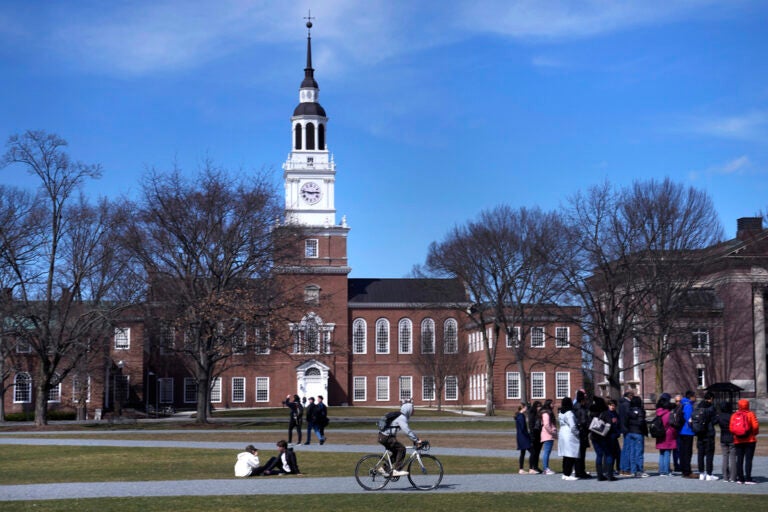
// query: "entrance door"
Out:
[313,383]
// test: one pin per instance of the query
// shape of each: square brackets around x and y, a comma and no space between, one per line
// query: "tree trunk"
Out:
[203,395]
[659,366]
[41,404]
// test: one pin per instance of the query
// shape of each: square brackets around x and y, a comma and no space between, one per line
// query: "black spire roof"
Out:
[309,108]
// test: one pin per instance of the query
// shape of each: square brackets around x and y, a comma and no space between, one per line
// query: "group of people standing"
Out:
[316,415]
[602,423]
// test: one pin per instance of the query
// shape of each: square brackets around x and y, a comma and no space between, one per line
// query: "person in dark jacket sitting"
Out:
[284,464]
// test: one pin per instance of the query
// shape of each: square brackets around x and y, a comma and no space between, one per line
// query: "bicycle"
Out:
[425,472]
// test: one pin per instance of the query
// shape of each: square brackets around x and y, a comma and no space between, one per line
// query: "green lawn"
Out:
[427,502]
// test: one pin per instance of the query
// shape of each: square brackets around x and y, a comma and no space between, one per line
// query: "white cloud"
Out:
[751,125]
[137,37]
[737,166]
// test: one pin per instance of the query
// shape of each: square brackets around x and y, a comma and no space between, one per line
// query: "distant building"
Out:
[725,321]
[360,342]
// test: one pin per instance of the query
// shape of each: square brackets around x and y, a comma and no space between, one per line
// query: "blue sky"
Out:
[438,109]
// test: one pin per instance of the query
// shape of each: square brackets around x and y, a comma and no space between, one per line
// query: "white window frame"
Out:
[165,390]
[562,384]
[216,394]
[538,379]
[261,341]
[451,388]
[514,340]
[122,338]
[405,336]
[450,336]
[238,390]
[696,340]
[382,388]
[428,393]
[190,390]
[23,346]
[311,248]
[261,387]
[382,336]
[167,339]
[405,383]
[75,382]
[701,376]
[562,337]
[54,394]
[312,294]
[24,395]
[427,331]
[535,331]
[359,336]
[513,386]
[359,389]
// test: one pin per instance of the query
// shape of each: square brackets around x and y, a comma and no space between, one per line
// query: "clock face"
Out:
[310,192]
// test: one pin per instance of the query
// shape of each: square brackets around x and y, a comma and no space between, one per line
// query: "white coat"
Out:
[568,440]
[245,463]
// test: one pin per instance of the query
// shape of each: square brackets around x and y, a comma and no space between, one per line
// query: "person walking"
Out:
[295,417]
[602,443]
[523,438]
[623,410]
[568,438]
[548,434]
[668,443]
[726,441]
[685,436]
[321,418]
[703,422]
[745,429]
[534,425]
[636,429]
[581,413]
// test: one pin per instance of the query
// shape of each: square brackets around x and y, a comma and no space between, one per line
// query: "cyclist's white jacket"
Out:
[401,422]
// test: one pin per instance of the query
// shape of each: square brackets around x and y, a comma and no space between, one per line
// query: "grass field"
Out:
[20,464]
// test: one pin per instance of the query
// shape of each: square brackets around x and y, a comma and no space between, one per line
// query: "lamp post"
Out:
[146,397]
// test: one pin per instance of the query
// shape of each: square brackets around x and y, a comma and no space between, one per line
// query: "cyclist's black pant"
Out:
[397,448]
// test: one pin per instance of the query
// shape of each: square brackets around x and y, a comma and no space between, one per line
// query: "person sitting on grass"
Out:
[284,464]
[247,461]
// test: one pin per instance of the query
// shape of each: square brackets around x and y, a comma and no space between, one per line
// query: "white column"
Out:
[761,378]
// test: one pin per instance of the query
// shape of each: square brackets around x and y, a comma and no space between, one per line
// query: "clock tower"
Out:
[309,174]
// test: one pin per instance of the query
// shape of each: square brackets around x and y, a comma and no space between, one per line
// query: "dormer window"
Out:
[311,248]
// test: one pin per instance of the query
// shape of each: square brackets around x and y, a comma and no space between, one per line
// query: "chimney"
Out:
[748,227]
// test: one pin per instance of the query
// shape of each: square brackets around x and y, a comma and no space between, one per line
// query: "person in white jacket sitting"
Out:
[247,461]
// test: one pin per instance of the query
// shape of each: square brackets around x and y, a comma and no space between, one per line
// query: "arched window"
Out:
[382,336]
[359,341]
[450,337]
[312,372]
[321,137]
[310,136]
[22,388]
[428,336]
[405,332]
[312,336]
[297,137]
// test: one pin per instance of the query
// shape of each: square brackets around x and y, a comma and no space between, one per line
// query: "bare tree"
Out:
[62,269]
[597,260]
[675,225]
[210,248]
[498,258]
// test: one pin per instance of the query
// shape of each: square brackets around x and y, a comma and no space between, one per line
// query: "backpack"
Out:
[656,428]
[700,420]
[740,426]
[385,421]
[677,417]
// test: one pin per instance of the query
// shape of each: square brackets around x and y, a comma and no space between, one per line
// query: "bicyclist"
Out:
[388,437]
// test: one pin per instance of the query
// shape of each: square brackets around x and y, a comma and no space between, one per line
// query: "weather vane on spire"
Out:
[309,19]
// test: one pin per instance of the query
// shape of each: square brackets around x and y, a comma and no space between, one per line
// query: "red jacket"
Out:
[752,436]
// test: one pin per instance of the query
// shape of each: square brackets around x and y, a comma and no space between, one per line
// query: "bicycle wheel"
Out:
[425,475]
[368,472]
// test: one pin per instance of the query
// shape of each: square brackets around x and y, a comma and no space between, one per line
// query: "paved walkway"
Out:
[342,485]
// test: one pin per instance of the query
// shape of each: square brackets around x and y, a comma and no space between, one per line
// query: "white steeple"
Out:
[309,171]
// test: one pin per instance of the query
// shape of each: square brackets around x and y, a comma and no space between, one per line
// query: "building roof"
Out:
[405,291]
